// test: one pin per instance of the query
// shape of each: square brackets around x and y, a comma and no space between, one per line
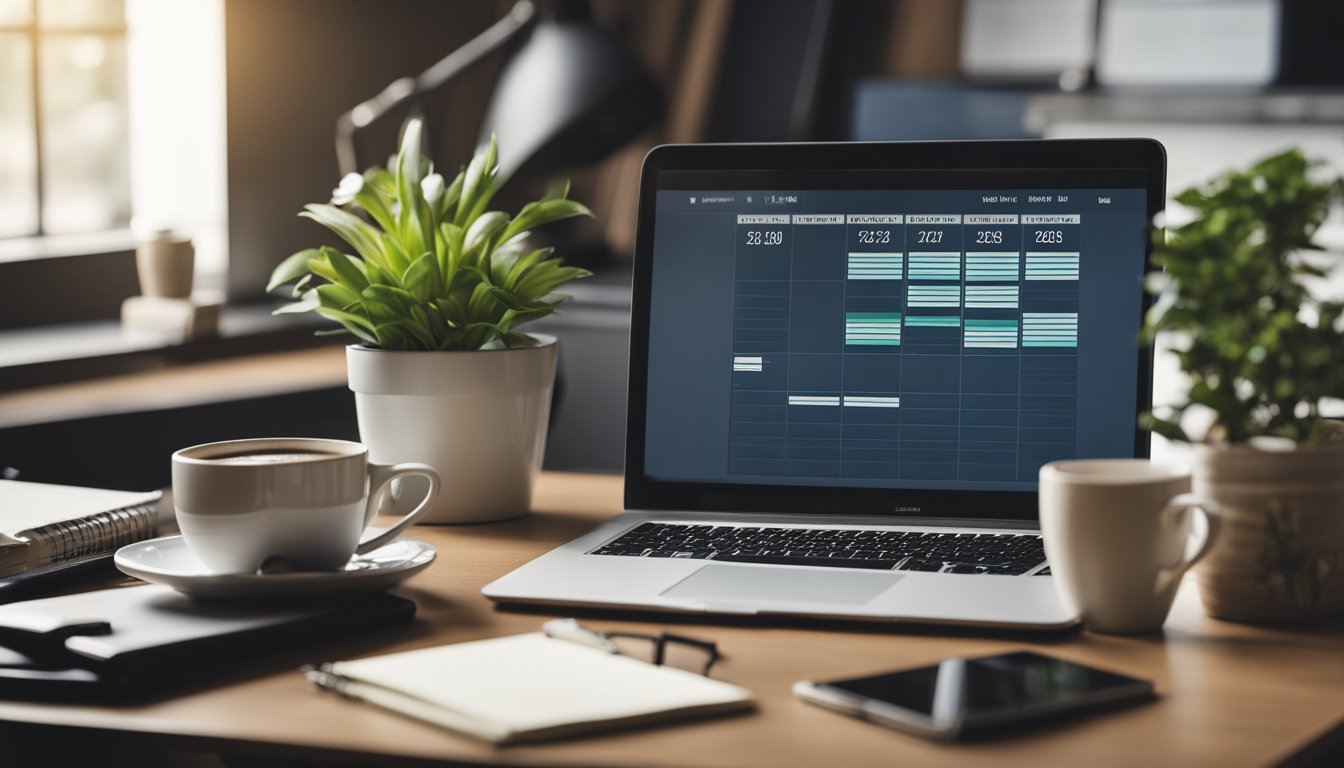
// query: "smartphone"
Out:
[960,698]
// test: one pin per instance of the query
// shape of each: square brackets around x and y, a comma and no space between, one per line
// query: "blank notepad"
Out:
[528,687]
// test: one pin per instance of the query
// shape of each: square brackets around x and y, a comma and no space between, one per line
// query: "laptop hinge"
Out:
[823,520]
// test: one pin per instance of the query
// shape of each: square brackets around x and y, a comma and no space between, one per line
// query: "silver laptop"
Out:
[848,363]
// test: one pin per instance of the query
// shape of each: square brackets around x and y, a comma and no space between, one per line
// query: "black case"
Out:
[140,642]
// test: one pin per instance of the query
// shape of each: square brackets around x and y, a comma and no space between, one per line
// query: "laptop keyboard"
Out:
[1008,554]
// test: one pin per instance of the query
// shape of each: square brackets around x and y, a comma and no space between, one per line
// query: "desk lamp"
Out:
[570,94]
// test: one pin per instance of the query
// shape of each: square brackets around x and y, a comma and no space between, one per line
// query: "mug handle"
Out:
[1213,520]
[380,483]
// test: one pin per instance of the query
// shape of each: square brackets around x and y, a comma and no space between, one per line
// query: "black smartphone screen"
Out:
[970,689]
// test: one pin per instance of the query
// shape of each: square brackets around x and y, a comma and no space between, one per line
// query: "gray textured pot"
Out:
[1281,552]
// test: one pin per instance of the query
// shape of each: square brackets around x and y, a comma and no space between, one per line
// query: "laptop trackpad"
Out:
[738,584]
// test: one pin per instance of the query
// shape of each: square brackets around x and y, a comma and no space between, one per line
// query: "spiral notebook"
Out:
[42,526]
[527,688]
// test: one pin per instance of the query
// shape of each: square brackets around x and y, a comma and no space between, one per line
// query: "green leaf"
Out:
[523,265]
[302,286]
[349,320]
[308,303]
[1168,429]
[513,339]
[349,270]
[350,228]
[543,212]
[415,226]
[422,278]
[485,229]
[337,296]
[451,253]
[452,195]
[398,299]
[373,203]
[407,327]
[477,183]
[381,183]
[292,268]
[557,190]
[479,303]
[545,277]
[508,299]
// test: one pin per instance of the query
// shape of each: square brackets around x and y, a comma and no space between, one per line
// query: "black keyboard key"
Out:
[923,565]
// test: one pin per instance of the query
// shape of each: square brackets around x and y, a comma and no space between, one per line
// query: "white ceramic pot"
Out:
[1281,552]
[478,418]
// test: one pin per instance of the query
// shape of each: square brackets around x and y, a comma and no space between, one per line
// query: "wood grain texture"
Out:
[1229,694]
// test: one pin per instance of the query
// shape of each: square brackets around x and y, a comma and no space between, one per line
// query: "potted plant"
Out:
[436,289]
[1263,354]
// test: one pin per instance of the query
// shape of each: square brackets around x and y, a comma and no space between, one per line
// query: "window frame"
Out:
[36,33]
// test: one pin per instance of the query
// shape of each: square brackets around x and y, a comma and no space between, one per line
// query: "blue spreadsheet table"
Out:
[935,338]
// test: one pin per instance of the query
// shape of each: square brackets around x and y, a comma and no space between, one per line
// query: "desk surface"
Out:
[1229,694]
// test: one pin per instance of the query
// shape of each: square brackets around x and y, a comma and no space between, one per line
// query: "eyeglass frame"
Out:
[572,631]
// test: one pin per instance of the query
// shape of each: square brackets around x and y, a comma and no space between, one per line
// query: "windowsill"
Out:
[60,246]
[63,353]
[57,354]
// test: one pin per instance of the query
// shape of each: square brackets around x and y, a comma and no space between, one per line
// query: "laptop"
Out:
[848,363]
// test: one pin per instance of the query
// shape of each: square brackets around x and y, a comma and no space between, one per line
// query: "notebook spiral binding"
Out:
[102,532]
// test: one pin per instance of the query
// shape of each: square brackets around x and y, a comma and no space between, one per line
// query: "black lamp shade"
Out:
[571,95]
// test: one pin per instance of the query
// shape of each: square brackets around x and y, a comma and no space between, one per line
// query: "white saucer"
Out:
[168,561]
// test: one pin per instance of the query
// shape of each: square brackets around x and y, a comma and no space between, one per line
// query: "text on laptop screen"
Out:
[903,332]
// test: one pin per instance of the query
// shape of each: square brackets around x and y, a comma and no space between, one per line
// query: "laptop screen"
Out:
[939,330]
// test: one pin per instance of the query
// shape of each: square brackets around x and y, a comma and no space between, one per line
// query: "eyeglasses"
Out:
[662,649]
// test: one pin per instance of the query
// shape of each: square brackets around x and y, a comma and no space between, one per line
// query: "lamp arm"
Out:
[406,89]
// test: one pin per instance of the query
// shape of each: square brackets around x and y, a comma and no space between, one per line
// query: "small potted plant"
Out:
[1263,354]
[436,288]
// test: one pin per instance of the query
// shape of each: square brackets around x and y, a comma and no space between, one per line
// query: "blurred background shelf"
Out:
[1293,106]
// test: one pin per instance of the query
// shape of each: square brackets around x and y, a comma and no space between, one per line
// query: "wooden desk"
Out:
[1230,694]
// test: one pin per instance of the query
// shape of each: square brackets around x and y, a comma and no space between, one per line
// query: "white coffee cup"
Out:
[166,265]
[1118,537]
[295,503]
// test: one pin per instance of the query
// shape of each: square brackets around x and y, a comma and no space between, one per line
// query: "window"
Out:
[64,135]
[111,119]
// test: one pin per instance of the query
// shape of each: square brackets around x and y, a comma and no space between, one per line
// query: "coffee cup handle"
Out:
[1213,520]
[380,484]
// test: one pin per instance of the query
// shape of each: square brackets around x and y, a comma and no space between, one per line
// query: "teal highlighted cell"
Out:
[934,296]
[935,266]
[1049,329]
[1052,266]
[876,266]
[990,333]
[991,296]
[985,266]
[933,321]
[873,328]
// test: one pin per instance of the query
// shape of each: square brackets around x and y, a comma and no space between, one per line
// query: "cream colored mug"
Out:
[1119,537]
[291,503]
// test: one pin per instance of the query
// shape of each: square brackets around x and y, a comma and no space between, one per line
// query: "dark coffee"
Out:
[277,456]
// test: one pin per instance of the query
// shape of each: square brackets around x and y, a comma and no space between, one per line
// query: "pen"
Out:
[571,631]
